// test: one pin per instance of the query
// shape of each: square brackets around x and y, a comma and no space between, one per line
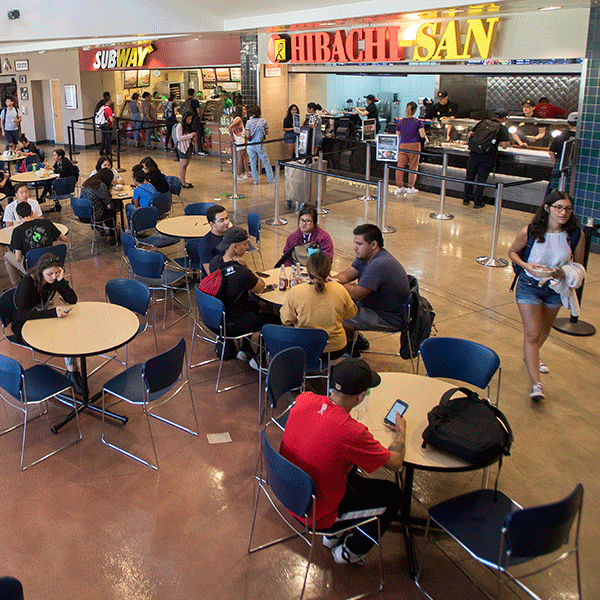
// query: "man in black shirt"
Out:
[480,165]
[371,111]
[445,109]
[32,233]
[219,223]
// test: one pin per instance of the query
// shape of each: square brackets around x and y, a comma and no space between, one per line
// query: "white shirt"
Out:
[9,115]
[554,251]
[11,216]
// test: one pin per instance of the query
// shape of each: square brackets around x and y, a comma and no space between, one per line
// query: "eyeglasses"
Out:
[51,262]
[559,208]
[307,221]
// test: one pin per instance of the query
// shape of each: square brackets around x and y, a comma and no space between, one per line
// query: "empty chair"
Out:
[197,208]
[463,360]
[82,210]
[127,242]
[190,262]
[254,232]
[62,189]
[163,203]
[33,386]
[500,534]
[7,312]
[174,186]
[285,484]
[150,385]
[145,219]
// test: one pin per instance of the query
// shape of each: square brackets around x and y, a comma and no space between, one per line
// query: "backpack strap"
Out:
[524,255]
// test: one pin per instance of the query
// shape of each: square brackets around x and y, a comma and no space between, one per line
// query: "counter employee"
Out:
[371,111]
[529,133]
[445,109]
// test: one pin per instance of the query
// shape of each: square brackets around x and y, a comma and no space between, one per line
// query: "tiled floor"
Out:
[90,523]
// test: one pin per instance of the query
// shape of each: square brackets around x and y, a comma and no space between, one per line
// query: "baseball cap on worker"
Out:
[232,236]
[353,376]
[372,98]
[573,117]
[501,113]
[442,94]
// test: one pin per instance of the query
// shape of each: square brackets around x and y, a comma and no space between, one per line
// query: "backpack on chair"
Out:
[419,321]
[212,284]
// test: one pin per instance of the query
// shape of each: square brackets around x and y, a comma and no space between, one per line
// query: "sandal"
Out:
[187,185]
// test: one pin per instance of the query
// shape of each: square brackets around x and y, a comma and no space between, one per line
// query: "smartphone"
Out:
[68,310]
[271,286]
[123,194]
[398,407]
[262,274]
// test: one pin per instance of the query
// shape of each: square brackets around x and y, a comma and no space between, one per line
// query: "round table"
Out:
[6,233]
[2,196]
[184,226]
[119,197]
[10,160]
[277,296]
[32,177]
[90,328]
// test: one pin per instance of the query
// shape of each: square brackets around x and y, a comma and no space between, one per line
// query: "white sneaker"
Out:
[331,541]
[544,368]
[241,355]
[537,392]
[400,190]
[411,190]
[241,178]
[342,556]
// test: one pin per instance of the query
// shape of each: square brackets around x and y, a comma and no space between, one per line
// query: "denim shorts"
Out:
[529,292]
[289,137]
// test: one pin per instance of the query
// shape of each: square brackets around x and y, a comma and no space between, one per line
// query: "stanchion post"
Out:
[442,216]
[379,203]
[69,139]
[276,221]
[386,178]
[491,260]
[367,197]
[235,195]
[320,209]
[118,134]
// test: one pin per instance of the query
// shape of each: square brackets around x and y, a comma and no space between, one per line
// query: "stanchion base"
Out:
[492,262]
[75,152]
[579,328]
[388,229]
[323,211]
[276,222]
[367,198]
[441,216]
[121,170]
[235,196]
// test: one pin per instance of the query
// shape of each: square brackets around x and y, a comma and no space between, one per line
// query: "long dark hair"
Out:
[289,112]
[49,259]
[318,266]
[539,224]
[102,160]
[101,176]
[187,127]
[150,164]
[314,106]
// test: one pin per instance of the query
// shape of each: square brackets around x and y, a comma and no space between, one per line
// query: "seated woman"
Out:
[321,303]
[33,296]
[97,189]
[105,162]
[307,231]
[155,176]
[143,191]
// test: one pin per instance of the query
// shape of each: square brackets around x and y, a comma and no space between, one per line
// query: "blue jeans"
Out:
[137,125]
[106,134]
[254,153]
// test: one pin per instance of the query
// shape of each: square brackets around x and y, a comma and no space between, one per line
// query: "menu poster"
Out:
[236,73]
[387,147]
[305,141]
[129,79]
[296,123]
[143,78]
[223,74]
[368,129]
[209,75]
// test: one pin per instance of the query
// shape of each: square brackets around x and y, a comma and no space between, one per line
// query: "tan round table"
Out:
[6,233]
[8,161]
[2,196]
[184,226]
[31,177]
[90,328]
[277,296]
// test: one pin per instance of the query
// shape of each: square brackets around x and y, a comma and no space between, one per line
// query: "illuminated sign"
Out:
[121,58]
[432,41]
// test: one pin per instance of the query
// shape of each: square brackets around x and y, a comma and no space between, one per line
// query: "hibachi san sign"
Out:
[432,42]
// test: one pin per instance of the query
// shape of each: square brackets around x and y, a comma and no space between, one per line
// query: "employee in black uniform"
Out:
[371,111]
[445,109]
[530,133]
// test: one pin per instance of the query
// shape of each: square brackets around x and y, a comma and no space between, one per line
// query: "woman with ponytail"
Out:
[320,303]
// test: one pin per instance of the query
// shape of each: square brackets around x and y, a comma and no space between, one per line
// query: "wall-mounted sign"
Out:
[387,147]
[432,41]
[21,65]
[71,96]
[121,58]
[272,71]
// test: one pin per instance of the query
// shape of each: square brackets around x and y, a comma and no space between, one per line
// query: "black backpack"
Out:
[469,428]
[420,323]
[484,137]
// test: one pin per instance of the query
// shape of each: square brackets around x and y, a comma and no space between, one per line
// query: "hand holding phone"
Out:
[398,407]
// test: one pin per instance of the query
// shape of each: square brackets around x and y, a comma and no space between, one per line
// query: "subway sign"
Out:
[432,42]
[121,58]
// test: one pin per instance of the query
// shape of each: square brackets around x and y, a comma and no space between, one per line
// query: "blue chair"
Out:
[211,312]
[82,210]
[7,313]
[34,255]
[191,262]
[144,219]
[62,189]
[283,482]
[174,186]
[254,232]
[163,204]
[463,360]
[127,242]
[500,534]
[149,267]
[287,372]
[146,385]
[197,208]
[33,386]
[135,296]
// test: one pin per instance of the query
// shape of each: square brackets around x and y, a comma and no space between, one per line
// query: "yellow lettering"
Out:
[425,41]
[132,61]
[449,43]
[143,52]
[483,40]
[123,57]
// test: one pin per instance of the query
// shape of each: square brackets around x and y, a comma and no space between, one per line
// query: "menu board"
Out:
[368,129]
[387,147]
[223,74]
[143,78]
[236,73]
[209,75]
[130,79]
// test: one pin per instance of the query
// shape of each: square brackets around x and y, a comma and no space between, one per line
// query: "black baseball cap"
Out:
[353,376]
[529,103]
[372,98]
[501,113]
[232,236]
[442,94]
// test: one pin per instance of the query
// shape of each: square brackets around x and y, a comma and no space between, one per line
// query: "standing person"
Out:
[323,440]
[155,175]
[257,129]
[218,221]
[185,145]
[411,132]
[135,108]
[97,189]
[315,121]
[11,217]
[555,151]
[548,111]
[10,121]
[482,159]
[534,131]
[445,109]
[553,238]
[193,105]
[104,118]
[105,98]
[371,111]
[32,301]
[32,233]
[149,118]
[170,120]
[289,135]
[237,132]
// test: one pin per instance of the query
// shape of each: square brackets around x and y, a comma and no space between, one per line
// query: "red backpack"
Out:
[212,283]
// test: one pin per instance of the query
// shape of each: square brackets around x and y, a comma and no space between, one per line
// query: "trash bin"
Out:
[301,186]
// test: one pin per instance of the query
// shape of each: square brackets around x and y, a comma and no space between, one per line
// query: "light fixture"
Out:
[550,8]
[555,133]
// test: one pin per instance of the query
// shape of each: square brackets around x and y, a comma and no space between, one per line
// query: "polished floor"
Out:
[92,524]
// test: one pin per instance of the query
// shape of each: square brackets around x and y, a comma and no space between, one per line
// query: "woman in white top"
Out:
[238,135]
[185,137]
[554,238]
[104,162]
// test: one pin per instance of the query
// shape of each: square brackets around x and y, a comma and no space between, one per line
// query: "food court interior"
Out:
[91,523]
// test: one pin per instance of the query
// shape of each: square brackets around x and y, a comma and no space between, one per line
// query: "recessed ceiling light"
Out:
[550,8]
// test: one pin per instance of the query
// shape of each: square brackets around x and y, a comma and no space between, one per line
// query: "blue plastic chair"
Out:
[149,267]
[163,204]
[282,481]
[211,313]
[499,533]
[197,208]
[175,186]
[7,313]
[463,360]
[190,262]
[254,232]
[127,242]
[34,255]
[62,189]
[146,385]
[82,210]
[144,219]
[33,386]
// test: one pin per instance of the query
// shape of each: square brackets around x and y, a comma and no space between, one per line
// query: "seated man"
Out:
[21,195]
[323,440]
[32,233]
[219,223]
[241,314]
[382,287]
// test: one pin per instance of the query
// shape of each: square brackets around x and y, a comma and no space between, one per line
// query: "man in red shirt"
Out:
[106,128]
[328,444]
[548,111]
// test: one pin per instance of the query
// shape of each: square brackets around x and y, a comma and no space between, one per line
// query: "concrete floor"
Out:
[90,523]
